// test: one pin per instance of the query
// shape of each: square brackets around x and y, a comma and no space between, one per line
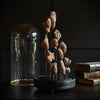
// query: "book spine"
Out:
[87,75]
[96,82]
[86,82]
[94,67]
[92,75]
[88,67]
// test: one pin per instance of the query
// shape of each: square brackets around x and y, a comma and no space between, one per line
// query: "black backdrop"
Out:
[77,20]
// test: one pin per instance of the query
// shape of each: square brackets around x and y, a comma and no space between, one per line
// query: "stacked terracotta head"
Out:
[53,43]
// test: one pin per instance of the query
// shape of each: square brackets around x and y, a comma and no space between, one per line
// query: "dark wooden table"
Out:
[79,92]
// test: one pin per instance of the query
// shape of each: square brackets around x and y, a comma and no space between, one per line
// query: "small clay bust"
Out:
[63,47]
[49,56]
[53,19]
[45,43]
[60,53]
[67,70]
[54,43]
[67,61]
[53,68]
[53,13]
[57,34]
[47,24]
[62,67]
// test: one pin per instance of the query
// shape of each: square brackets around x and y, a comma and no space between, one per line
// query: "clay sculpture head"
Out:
[49,56]
[45,43]
[54,43]
[53,68]
[57,34]
[67,61]
[63,47]
[47,24]
[60,53]
[53,19]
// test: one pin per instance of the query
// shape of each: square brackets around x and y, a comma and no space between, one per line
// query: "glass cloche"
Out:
[23,54]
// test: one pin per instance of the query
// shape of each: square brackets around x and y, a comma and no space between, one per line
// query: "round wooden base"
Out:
[42,83]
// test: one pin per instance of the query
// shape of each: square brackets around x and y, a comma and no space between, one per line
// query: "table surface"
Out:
[79,92]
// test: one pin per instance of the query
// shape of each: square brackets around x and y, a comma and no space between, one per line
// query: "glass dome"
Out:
[23,51]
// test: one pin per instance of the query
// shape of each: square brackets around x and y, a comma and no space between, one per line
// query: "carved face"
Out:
[57,34]
[63,47]
[47,24]
[54,43]
[67,61]
[53,67]
[49,56]
[45,43]
[53,13]
[53,19]
[60,53]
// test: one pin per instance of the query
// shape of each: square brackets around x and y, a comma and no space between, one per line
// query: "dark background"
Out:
[77,20]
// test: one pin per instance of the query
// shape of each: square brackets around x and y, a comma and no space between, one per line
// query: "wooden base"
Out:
[42,83]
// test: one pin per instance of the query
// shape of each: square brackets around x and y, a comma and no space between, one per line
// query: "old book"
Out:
[90,82]
[88,66]
[87,75]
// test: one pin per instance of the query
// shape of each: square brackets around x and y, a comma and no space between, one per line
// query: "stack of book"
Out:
[88,73]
